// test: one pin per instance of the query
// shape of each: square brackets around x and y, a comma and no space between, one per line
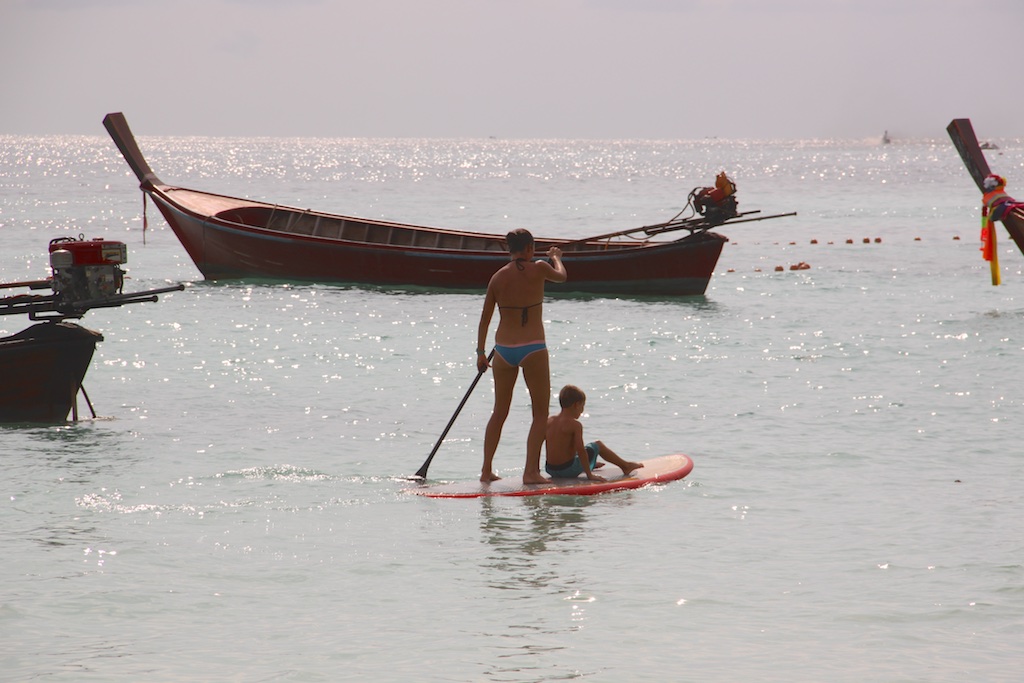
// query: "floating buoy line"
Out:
[803,265]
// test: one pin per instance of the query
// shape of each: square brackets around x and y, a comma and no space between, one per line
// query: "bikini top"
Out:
[524,309]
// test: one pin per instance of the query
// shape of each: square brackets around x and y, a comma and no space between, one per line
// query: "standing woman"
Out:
[517,289]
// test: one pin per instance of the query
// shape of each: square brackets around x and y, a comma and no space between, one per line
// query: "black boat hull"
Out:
[42,368]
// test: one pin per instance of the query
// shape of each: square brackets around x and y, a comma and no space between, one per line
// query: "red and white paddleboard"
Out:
[657,470]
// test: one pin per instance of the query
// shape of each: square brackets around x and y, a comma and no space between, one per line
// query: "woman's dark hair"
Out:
[518,240]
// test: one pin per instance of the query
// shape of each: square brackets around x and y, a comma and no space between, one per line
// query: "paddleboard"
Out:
[655,471]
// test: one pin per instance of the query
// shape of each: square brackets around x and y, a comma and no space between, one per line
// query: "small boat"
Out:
[235,238]
[43,366]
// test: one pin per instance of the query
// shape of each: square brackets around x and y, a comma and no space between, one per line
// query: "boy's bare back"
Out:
[564,439]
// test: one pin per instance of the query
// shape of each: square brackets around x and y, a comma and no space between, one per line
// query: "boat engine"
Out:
[86,270]
[716,204]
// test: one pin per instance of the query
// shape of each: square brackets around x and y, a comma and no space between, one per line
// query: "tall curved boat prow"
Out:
[961,132]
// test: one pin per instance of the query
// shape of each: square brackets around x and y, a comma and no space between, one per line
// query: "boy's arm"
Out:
[581,451]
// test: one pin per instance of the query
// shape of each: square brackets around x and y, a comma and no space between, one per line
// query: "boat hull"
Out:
[43,367]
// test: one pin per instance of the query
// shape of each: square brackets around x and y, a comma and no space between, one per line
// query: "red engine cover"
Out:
[94,252]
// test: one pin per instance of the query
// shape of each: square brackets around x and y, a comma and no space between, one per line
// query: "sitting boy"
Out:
[564,446]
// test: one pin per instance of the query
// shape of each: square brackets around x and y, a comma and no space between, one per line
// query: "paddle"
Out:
[421,473]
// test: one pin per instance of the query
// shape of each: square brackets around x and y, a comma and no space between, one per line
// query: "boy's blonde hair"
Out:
[569,395]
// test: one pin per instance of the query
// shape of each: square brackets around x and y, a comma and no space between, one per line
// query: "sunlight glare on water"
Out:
[239,509]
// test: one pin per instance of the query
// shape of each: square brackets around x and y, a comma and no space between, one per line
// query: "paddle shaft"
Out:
[421,473]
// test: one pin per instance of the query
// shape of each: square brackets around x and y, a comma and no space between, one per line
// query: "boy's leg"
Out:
[612,457]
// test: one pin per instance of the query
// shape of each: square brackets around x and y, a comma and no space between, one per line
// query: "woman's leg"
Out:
[505,376]
[537,373]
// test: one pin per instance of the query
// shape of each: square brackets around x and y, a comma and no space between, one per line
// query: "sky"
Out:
[578,69]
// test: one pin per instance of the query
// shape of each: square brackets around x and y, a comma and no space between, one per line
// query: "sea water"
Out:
[238,509]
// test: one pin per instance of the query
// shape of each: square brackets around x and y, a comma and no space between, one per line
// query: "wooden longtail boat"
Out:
[232,238]
[966,142]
